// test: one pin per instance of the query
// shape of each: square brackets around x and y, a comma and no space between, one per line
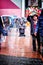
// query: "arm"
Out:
[36,30]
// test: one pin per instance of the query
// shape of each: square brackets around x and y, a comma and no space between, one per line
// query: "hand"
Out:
[35,33]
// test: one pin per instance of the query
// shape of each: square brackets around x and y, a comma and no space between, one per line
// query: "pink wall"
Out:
[9,8]
[16,12]
[7,4]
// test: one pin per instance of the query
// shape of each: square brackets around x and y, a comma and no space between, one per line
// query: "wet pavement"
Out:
[12,60]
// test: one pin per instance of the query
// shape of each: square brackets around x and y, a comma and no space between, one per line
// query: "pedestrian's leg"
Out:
[34,43]
[38,46]
[38,42]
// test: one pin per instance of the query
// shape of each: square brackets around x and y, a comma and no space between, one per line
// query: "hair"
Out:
[36,16]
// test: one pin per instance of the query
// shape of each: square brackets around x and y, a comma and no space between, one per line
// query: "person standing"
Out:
[39,29]
[34,25]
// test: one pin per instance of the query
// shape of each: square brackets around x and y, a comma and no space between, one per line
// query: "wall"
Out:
[7,7]
[18,3]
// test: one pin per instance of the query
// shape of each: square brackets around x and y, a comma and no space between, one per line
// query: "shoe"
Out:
[34,49]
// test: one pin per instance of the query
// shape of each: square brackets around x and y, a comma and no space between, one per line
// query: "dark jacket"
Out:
[29,18]
[39,27]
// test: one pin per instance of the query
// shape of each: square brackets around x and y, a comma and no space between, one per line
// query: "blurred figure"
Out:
[39,29]
[22,28]
[15,29]
[1,30]
[1,26]
[34,25]
[7,26]
[17,23]
[6,22]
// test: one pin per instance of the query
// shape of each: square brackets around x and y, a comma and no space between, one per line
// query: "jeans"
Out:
[34,38]
[34,42]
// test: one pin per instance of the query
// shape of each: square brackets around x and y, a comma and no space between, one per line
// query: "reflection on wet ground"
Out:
[19,46]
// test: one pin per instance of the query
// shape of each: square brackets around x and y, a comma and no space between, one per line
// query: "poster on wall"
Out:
[33,2]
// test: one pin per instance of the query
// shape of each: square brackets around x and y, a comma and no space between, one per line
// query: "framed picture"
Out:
[33,2]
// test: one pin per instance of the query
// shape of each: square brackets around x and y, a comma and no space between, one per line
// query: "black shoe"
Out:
[34,49]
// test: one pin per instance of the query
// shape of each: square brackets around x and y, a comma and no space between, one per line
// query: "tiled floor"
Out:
[19,46]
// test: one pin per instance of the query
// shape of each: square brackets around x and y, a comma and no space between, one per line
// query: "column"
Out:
[42,3]
[23,8]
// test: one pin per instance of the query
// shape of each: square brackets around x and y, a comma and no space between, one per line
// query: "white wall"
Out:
[17,2]
[42,4]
